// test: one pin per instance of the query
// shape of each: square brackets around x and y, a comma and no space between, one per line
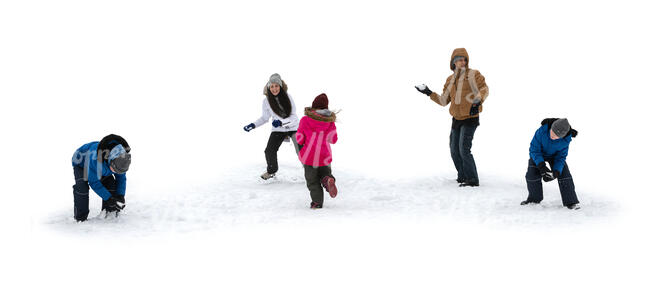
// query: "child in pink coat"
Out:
[316,132]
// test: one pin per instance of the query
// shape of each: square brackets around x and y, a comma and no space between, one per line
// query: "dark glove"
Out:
[546,173]
[120,201]
[249,127]
[276,123]
[474,110]
[556,174]
[111,205]
[424,89]
[543,168]
[547,177]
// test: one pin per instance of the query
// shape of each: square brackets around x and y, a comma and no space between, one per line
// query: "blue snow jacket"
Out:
[543,148]
[86,157]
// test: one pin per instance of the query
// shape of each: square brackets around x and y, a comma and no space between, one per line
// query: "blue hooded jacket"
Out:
[86,157]
[542,148]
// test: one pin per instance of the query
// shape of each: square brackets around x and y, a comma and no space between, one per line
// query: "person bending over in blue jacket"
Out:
[101,166]
[551,144]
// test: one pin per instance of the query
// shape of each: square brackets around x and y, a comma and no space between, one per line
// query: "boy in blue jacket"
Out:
[551,144]
[101,166]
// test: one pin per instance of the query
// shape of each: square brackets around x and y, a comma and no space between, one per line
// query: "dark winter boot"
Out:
[574,206]
[329,183]
[469,184]
[315,205]
[527,202]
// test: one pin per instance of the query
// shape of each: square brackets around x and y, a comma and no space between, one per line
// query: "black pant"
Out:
[80,192]
[271,151]
[313,177]
[565,181]
[460,145]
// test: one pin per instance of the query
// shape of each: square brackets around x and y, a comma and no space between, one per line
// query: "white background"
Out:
[179,80]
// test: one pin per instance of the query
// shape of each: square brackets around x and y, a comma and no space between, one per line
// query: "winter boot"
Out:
[527,202]
[315,205]
[267,176]
[468,184]
[329,183]
[574,206]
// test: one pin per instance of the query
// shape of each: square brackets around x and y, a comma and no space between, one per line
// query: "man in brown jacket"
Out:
[466,90]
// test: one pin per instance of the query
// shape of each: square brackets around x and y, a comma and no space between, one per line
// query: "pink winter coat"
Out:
[315,133]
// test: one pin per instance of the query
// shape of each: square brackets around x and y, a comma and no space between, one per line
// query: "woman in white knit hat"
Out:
[280,108]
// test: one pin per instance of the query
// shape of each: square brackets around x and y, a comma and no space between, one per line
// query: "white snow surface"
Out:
[240,198]
[378,229]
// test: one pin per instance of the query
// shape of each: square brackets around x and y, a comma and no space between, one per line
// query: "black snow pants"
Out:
[565,181]
[81,189]
[271,151]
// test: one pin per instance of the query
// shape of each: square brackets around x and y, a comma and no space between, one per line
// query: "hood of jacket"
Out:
[459,52]
[107,144]
[318,121]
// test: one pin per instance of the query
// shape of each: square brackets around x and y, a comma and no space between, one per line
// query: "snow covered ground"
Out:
[241,229]
[179,80]
[241,199]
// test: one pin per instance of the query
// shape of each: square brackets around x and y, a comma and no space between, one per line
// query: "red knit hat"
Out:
[320,102]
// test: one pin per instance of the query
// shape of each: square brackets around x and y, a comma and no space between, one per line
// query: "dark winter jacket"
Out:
[542,147]
[86,157]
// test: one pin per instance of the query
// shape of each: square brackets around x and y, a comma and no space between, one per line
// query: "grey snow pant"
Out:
[313,177]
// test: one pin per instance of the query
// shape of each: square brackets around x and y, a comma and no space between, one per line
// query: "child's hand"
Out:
[276,123]
[547,177]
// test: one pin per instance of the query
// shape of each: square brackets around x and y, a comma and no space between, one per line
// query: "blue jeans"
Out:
[460,144]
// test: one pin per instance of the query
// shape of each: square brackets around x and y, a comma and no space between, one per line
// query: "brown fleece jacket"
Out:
[463,88]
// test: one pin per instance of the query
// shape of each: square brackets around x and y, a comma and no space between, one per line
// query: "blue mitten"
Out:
[249,127]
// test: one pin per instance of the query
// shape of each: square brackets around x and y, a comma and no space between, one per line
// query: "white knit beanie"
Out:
[274,79]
